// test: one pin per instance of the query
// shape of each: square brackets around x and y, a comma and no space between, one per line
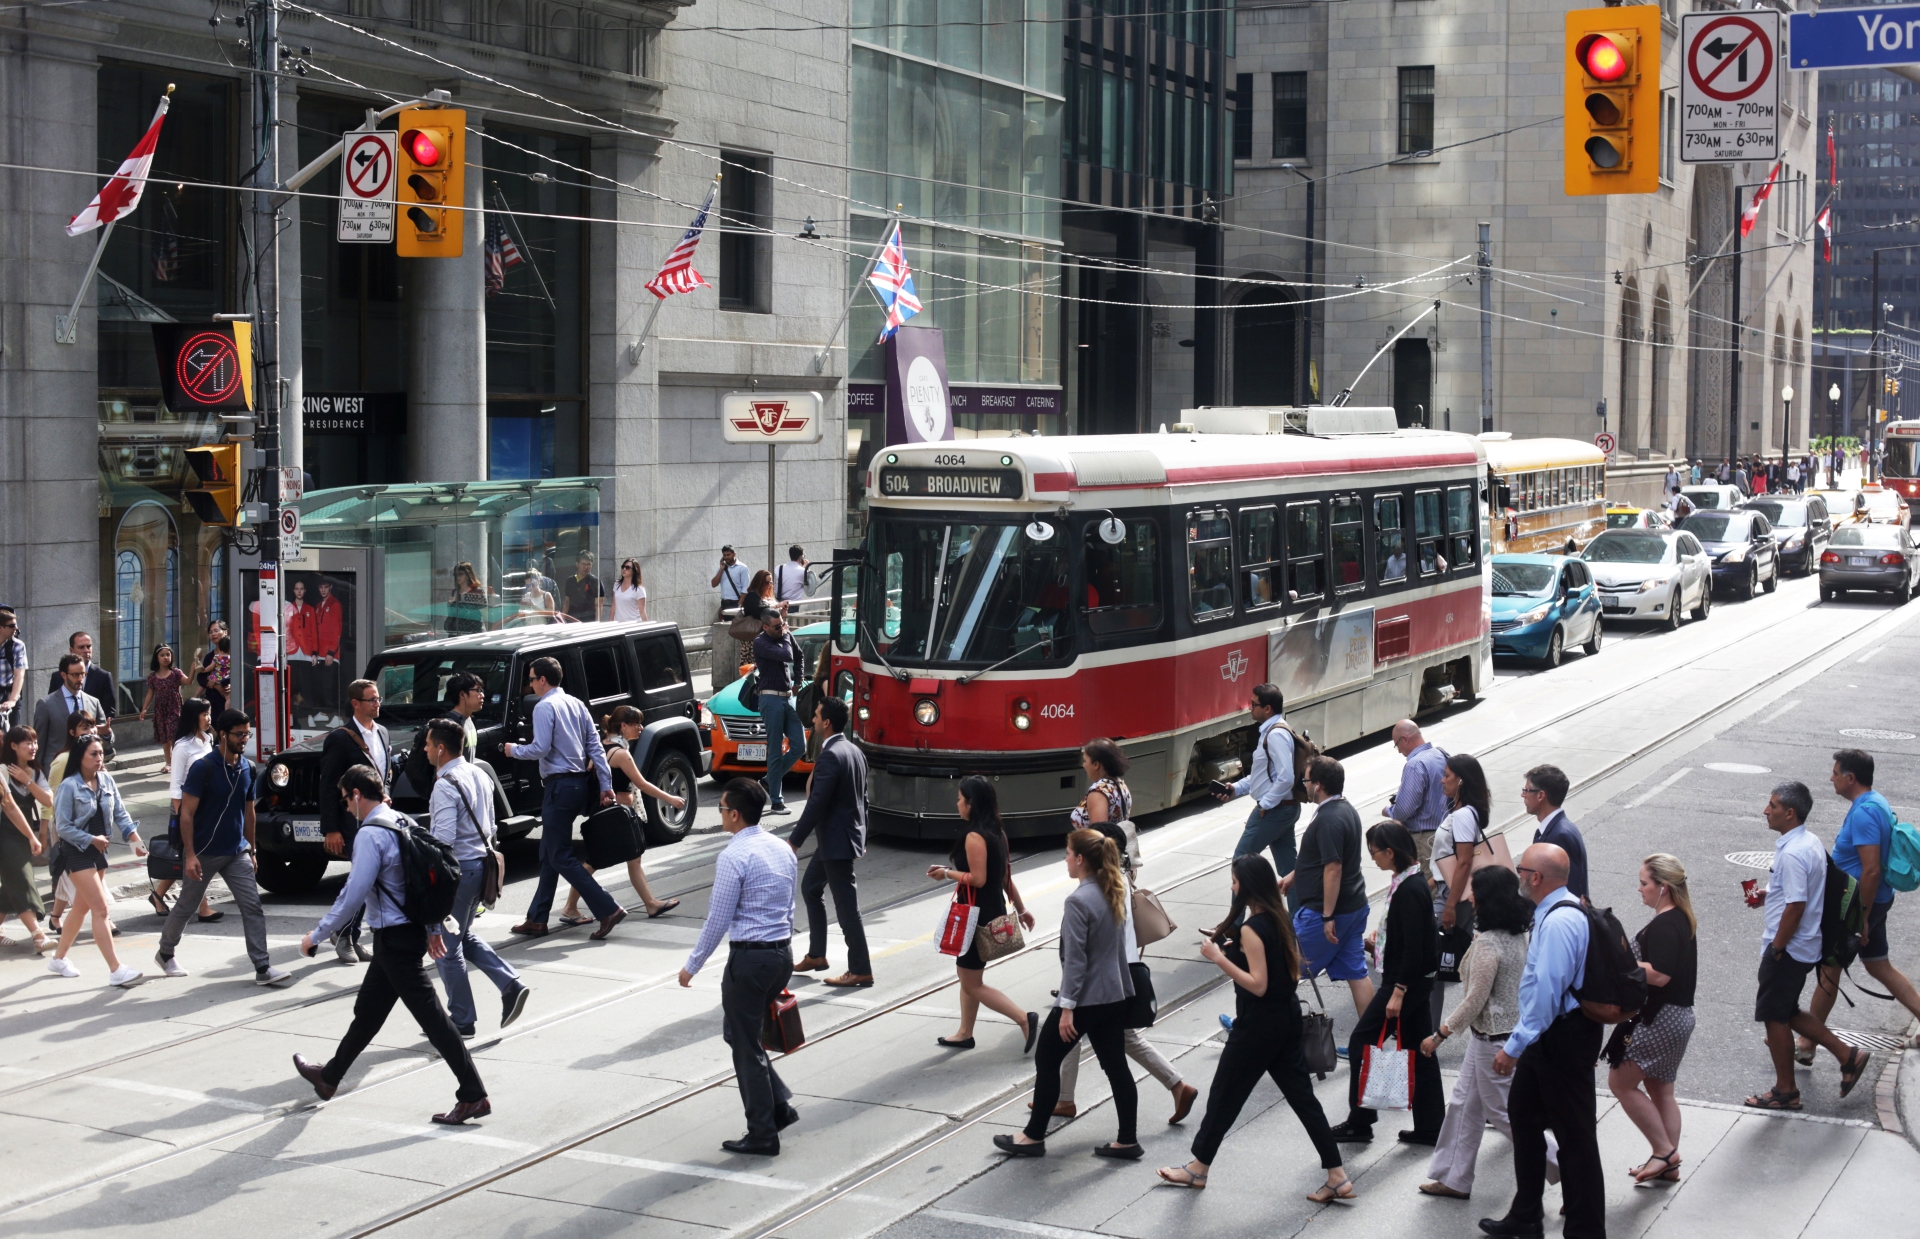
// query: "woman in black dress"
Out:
[1264,962]
[979,860]
[1644,1053]
[20,833]
[1409,951]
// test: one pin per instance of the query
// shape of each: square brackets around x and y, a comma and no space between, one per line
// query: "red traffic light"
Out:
[421,147]
[1602,58]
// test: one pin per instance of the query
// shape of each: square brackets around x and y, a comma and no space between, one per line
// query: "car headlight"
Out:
[1536,615]
[278,774]
[1647,587]
[1796,542]
[926,712]
[706,717]
[1735,555]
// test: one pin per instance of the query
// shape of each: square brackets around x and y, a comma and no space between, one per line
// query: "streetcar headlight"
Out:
[1022,721]
[278,775]
[926,712]
[865,714]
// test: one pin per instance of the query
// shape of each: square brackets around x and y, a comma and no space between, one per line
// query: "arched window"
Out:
[1660,432]
[170,622]
[217,583]
[129,604]
[1632,436]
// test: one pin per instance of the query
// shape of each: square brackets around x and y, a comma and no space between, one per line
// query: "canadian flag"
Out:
[121,194]
[1751,215]
[1824,221]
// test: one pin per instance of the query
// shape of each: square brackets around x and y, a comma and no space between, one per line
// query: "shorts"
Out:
[1344,962]
[1781,980]
[1877,947]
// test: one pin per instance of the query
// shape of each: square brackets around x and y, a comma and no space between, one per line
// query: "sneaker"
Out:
[271,976]
[61,967]
[466,1031]
[1226,1022]
[169,966]
[126,976]
[776,810]
[343,948]
[1340,1052]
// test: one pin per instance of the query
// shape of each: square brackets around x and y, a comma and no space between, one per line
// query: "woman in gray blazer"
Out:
[1095,985]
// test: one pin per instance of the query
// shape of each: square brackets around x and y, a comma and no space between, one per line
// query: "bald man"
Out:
[1421,804]
[1551,1054]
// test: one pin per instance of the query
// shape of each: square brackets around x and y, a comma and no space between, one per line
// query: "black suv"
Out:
[1801,527]
[604,664]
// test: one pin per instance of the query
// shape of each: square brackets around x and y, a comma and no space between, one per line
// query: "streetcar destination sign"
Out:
[905,483]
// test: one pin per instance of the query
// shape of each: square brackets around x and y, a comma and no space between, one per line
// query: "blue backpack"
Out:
[1902,871]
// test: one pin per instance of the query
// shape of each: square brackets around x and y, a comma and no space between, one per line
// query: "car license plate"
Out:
[1610,605]
[1856,561]
[308,832]
[753,752]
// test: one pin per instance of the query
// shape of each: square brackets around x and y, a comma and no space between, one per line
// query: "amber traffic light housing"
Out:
[431,172]
[216,497]
[1612,125]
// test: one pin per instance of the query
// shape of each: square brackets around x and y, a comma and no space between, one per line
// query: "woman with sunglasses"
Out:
[629,594]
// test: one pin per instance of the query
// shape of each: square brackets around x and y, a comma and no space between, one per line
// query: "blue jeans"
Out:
[781,721]
[1271,829]
[467,949]
[565,798]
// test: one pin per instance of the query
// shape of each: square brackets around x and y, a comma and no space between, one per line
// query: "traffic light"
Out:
[432,179]
[1612,119]
[216,499]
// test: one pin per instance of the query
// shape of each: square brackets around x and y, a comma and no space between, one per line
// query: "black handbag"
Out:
[164,862]
[750,691]
[612,836]
[1317,1044]
[1454,943]
[1143,1008]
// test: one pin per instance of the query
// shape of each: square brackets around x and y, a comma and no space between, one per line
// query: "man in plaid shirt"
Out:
[13,666]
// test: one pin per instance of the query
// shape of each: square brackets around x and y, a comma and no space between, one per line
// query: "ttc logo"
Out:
[1236,666]
[771,417]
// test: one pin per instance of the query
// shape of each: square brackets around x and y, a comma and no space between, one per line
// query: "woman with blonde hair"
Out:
[1095,985]
[1644,1053]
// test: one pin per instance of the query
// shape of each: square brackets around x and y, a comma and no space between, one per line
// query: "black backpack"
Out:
[1613,986]
[1842,917]
[429,874]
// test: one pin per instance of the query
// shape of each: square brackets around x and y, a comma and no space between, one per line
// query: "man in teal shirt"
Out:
[1861,848]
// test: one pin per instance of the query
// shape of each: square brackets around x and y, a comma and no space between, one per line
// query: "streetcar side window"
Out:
[1390,548]
[1210,563]
[1260,555]
[1123,580]
[1460,532]
[1306,551]
[1349,552]
[1429,531]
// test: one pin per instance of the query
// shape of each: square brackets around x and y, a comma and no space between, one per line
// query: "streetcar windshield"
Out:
[971,592]
[1903,458]
[1626,548]
[1514,580]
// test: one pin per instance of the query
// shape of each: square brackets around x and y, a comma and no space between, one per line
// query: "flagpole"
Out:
[639,345]
[886,233]
[66,327]
[513,219]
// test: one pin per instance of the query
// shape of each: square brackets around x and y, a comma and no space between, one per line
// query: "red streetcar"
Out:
[1019,596]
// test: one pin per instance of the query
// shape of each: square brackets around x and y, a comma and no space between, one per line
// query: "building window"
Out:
[744,249]
[1243,116]
[1290,115]
[1669,134]
[1416,109]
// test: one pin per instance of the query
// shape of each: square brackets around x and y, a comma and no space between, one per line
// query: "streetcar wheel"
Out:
[1556,648]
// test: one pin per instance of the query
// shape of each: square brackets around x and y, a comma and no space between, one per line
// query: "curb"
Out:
[1886,1093]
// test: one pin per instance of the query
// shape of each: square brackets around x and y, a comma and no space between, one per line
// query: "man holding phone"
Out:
[1276,808]
[732,580]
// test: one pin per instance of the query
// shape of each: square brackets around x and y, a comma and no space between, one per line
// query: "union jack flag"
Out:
[676,274]
[892,282]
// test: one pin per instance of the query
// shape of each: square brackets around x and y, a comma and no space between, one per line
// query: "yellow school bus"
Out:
[1543,495]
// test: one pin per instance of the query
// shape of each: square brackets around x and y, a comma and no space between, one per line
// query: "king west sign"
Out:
[771,417]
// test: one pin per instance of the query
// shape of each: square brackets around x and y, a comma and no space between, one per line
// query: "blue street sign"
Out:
[1854,38]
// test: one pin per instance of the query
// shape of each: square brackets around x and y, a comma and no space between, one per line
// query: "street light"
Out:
[1306,316]
[1833,394]
[1786,427]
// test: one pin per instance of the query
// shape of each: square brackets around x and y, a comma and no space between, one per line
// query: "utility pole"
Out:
[263,236]
[1739,343]
[1486,325]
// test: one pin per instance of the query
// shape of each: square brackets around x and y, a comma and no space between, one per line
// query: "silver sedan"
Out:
[1884,558]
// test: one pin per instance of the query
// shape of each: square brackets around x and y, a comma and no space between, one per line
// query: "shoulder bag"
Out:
[1454,943]
[963,916]
[1150,920]
[999,937]
[1317,1044]
[1143,1008]
[493,866]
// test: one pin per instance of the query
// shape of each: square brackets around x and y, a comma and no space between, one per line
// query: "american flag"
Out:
[892,282]
[1751,215]
[676,274]
[501,254]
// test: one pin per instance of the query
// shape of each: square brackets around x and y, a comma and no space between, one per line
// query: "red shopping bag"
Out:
[963,916]
[1386,1076]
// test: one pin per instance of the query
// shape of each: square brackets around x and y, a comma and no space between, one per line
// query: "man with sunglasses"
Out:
[360,741]
[1542,794]
[13,666]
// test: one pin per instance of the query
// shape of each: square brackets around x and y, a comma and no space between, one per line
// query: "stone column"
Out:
[50,560]
[447,349]
[624,434]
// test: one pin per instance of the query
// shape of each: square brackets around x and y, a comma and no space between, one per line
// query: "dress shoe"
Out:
[1353,1133]
[1013,1148]
[530,929]
[311,1073]
[812,963]
[1061,1109]
[512,1003]
[607,923]
[1427,1138]
[752,1147]
[466,1031]
[343,949]
[1512,1229]
[849,980]
[1183,1098]
[785,1117]
[464,1110]
[1124,1152]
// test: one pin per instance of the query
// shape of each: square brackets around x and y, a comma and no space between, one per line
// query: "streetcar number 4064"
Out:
[1056,711]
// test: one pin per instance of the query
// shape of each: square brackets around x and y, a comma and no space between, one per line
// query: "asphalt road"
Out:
[173,1103]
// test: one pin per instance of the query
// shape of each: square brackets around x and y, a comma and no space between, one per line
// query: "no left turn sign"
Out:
[1730,87]
[366,168]
[1605,442]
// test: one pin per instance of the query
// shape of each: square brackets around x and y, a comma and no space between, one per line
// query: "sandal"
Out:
[1327,1193]
[40,943]
[666,907]
[1643,1174]
[1774,1099]
[1850,1074]
[1186,1178]
[571,921]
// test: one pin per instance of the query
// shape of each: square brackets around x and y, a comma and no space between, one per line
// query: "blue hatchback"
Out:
[1541,605]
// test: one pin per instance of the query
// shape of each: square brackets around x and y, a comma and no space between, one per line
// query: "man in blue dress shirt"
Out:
[1550,1055]
[752,906]
[1269,780]
[1421,803]
[567,746]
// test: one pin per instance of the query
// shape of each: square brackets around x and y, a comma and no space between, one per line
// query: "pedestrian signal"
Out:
[1612,123]
[216,497]
[431,183]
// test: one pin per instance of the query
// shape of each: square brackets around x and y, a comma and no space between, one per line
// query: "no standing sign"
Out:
[1730,74]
